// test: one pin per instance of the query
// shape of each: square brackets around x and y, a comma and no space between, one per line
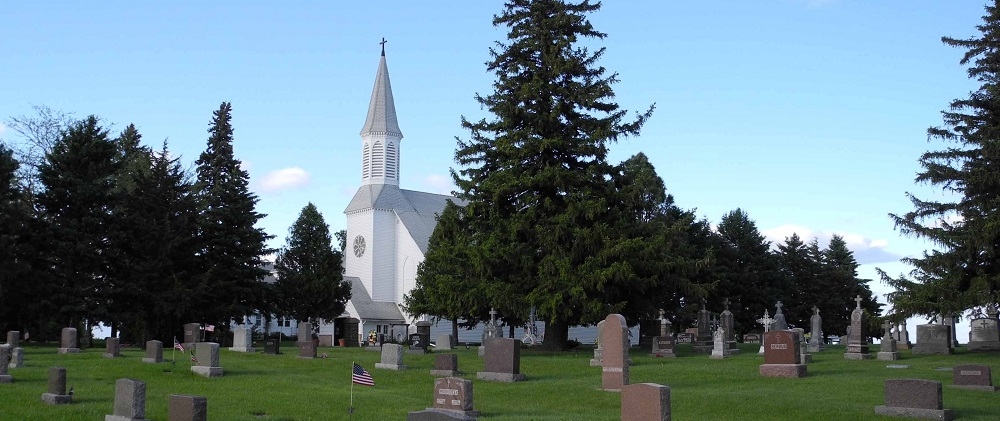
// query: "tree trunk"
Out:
[454,332]
[556,334]
[510,330]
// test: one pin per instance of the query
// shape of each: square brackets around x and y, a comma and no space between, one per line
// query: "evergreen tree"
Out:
[231,247]
[77,206]
[747,271]
[15,268]
[536,176]
[311,285]
[964,270]
[798,270]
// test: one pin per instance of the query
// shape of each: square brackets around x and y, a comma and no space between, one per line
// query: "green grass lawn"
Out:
[560,386]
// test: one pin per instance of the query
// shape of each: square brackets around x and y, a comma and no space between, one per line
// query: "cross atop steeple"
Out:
[383,46]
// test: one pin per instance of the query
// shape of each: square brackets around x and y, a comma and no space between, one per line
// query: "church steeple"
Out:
[380,136]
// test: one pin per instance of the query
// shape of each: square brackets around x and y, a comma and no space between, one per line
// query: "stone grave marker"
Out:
[914,398]
[800,334]
[984,335]
[14,338]
[721,349]
[192,334]
[187,408]
[729,327]
[443,343]
[903,337]
[207,354]
[685,338]
[445,365]
[16,358]
[67,342]
[305,343]
[154,352]
[242,339]
[130,401]
[663,346]
[887,350]
[112,347]
[453,400]
[490,331]
[933,339]
[751,338]
[424,330]
[56,394]
[779,322]
[703,342]
[5,355]
[646,402]
[782,356]
[816,342]
[503,361]
[392,358]
[272,346]
[975,377]
[857,336]
[614,364]
[766,322]
[418,344]
[598,350]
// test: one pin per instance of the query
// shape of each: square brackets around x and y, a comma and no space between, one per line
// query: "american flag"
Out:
[210,328]
[360,376]
[177,345]
[193,359]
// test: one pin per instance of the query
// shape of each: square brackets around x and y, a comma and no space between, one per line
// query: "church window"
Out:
[378,160]
[390,163]
[365,162]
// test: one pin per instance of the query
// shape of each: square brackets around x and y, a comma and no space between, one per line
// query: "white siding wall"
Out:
[383,253]
[360,223]
[409,256]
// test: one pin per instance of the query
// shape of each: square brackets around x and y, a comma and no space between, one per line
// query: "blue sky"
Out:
[809,115]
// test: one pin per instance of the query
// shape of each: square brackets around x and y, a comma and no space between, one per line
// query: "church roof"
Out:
[416,210]
[367,308]
[381,108]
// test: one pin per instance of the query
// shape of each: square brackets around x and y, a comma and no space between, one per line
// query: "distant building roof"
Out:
[369,310]
[417,211]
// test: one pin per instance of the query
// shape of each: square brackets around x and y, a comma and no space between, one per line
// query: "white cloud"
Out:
[441,184]
[866,250]
[284,179]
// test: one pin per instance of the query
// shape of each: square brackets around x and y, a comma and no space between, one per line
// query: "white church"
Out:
[388,228]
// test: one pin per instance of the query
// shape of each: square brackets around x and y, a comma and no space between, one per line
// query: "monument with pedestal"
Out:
[857,338]
[703,342]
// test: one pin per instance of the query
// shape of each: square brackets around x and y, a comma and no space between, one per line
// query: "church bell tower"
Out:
[380,136]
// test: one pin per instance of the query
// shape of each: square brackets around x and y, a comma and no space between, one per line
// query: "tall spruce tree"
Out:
[77,203]
[536,177]
[747,270]
[15,268]
[963,271]
[311,285]
[232,248]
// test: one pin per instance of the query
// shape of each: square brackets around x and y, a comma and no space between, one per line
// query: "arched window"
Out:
[378,160]
[391,159]
[365,162]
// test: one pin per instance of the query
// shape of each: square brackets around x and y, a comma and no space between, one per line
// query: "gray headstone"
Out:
[816,342]
[663,346]
[5,356]
[187,408]
[916,398]
[154,352]
[445,365]
[17,358]
[502,361]
[933,339]
[192,334]
[857,335]
[208,365]
[452,402]
[721,348]
[112,347]
[56,394]
[14,338]
[67,343]
[242,339]
[779,319]
[305,332]
[130,401]
[443,342]
[392,358]
[598,351]
[984,335]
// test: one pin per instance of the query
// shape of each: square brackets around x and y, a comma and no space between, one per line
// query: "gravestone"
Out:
[646,402]
[782,355]
[857,336]
[207,354]
[272,346]
[56,394]
[663,346]
[933,339]
[417,344]
[903,338]
[816,342]
[703,342]
[192,334]
[5,355]
[766,322]
[452,401]
[804,356]
[984,335]
[304,342]
[445,365]
[443,343]
[242,339]
[975,377]
[729,328]
[914,398]
[352,332]
[130,401]
[950,321]
[598,350]
[16,358]
[112,347]
[14,338]
[187,408]
[721,349]
[751,338]
[503,361]
[392,358]
[154,352]
[424,330]
[887,350]
[614,364]
[490,330]
[779,322]
[67,342]
[685,338]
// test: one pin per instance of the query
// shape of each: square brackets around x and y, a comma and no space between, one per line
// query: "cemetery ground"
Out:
[559,386]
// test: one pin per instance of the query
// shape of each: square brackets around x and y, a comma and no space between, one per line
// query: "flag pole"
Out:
[350,411]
